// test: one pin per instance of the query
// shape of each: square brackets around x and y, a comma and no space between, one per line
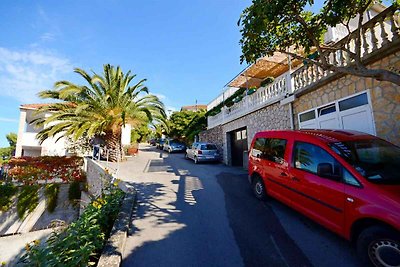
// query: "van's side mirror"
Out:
[325,170]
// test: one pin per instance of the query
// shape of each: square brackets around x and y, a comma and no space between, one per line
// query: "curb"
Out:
[112,251]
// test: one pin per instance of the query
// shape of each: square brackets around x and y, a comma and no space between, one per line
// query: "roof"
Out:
[33,106]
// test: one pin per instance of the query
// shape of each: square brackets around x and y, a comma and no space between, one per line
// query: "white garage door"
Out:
[351,113]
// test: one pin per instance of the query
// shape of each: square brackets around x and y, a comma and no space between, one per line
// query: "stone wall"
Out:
[385,98]
[213,135]
[97,178]
[271,117]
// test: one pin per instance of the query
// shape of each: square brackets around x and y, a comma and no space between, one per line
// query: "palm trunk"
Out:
[114,146]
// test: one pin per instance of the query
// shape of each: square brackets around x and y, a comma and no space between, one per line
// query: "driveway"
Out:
[205,215]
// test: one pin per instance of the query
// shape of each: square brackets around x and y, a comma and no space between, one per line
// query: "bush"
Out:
[51,193]
[7,191]
[82,241]
[74,192]
[28,199]
[28,170]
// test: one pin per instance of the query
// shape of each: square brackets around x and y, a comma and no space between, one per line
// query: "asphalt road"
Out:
[205,215]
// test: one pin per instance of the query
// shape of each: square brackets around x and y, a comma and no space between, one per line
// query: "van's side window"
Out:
[272,149]
[258,148]
[316,160]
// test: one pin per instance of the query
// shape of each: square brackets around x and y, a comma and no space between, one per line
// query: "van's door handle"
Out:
[295,179]
[283,174]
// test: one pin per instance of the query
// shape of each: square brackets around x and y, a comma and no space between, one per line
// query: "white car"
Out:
[200,152]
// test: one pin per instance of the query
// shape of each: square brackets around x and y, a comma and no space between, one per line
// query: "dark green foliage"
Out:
[269,26]
[228,102]
[7,191]
[81,243]
[51,192]
[267,81]
[28,199]
[196,125]
[8,152]
[74,192]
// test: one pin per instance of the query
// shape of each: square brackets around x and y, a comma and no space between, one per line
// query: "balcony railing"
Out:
[262,97]
[379,33]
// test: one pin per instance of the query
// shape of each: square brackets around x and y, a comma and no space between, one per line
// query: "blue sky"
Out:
[187,50]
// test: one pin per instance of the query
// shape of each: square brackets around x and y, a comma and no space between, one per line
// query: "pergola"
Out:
[268,66]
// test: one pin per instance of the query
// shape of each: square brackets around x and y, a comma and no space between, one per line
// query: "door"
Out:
[321,198]
[238,146]
[351,113]
[274,167]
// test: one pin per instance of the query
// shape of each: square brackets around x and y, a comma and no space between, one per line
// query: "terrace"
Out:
[380,37]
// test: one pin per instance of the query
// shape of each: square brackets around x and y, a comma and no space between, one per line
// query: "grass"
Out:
[74,192]
[51,193]
[28,199]
[7,191]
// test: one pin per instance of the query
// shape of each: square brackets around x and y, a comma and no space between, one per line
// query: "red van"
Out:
[347,181]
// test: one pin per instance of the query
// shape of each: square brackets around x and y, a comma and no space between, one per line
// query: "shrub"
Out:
[7,191]
[51,193]
[74,192]
[28,199]
[28,170]
[82,241]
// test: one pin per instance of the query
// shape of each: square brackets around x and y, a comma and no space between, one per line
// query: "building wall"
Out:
[385,98]
[271,117]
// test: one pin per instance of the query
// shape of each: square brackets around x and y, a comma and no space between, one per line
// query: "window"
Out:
[353,102]
[310,158]
[244,134]
[208,147]
[238,135]
[270,149]
[327,110]
[307,116]
[258,148]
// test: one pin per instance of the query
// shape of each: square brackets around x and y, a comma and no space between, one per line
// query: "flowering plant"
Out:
[31,169]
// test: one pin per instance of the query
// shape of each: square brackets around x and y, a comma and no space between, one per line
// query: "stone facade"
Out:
[213,135]
[385,98]
[271,117]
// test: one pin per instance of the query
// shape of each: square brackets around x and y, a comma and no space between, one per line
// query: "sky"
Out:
[187,50]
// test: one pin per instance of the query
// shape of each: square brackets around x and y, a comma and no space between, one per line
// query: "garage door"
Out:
[351,113]
[238,146]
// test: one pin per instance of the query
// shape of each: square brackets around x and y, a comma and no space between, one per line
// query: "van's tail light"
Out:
[199,152]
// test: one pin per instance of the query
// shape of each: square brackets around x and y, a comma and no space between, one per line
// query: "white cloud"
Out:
[8,120]
[25,73]
[160,96]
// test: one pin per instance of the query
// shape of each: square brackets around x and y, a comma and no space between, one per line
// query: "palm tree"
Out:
[100,108]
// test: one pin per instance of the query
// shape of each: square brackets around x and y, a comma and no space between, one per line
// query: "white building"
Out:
[29,145]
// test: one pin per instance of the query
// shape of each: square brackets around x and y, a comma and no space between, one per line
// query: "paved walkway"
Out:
[206,215]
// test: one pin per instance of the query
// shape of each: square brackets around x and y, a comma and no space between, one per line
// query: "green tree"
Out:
[269,26]
[196,125]
[101,107]
[178,122]
[9,151]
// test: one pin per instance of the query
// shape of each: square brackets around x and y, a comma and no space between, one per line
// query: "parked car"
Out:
[200,152]
[172,145]
[347,181]
[160,143]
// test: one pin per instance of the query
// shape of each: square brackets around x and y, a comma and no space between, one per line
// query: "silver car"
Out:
[200,152]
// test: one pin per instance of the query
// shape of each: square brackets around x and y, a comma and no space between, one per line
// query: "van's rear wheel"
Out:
[259,188]
[379,246]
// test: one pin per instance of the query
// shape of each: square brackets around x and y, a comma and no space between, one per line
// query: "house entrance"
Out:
[238,146]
